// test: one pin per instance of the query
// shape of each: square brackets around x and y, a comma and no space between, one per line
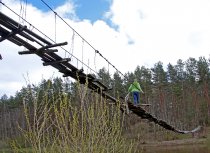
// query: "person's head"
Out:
[135,80]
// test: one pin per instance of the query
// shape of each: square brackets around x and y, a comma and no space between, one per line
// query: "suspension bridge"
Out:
[36,44]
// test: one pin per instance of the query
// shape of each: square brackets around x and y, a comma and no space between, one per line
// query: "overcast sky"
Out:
[127,32]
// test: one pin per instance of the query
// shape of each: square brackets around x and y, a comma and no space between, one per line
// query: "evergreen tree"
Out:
[118,85]
[203,87]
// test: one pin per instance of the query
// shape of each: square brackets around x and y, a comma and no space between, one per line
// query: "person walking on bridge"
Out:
[135,89]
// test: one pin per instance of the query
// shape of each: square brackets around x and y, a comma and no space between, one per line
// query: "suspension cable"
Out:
[82,51]
[83,38]
[45,35]
[21,11]
[95,61]
[55,25]
[72,44]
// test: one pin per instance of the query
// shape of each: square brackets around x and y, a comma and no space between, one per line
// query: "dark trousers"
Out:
[136,97]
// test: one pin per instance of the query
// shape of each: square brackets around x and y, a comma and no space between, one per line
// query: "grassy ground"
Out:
[138,133]
[4,147]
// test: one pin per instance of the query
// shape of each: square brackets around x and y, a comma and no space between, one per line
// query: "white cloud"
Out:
[67,10]
[164,30]
[147,31]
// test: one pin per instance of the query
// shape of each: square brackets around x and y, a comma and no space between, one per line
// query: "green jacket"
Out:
[135,86]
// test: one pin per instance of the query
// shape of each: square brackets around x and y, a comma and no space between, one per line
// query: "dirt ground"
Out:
[192,141]
[197,145]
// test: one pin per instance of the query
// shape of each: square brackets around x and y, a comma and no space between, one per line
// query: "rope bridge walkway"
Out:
[35,44]
[146,115]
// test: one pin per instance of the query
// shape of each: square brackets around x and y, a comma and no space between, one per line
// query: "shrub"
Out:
[55,125]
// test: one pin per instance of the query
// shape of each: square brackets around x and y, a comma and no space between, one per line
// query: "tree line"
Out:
[179,94]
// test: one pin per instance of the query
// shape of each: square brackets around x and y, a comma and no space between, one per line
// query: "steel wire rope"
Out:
[23,8]
[22,15]
[44,34]
[108,67]
[109,75]
[95,61]
[88,65]
[83,38]
[55,25]
[82,52]
[72,44]
[26,3]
